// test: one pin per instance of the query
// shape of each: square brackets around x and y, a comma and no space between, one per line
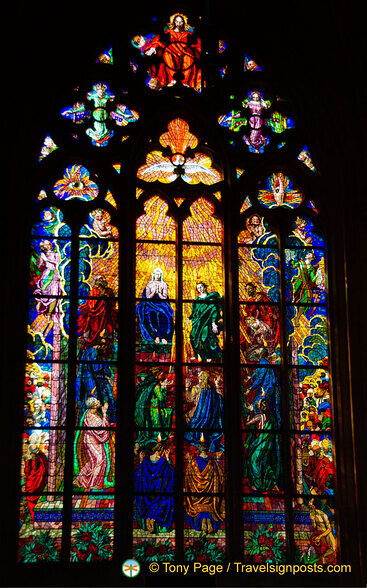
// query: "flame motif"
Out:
[196,170]
[178,137]
[279,192]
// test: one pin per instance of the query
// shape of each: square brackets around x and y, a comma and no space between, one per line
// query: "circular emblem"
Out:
[130,568]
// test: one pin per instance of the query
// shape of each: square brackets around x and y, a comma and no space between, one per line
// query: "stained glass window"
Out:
[178,272]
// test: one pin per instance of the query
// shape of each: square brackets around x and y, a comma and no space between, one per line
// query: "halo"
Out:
[172,18]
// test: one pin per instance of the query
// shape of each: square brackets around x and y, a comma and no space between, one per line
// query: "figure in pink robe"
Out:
[256,140]
[94,449]
[48,285]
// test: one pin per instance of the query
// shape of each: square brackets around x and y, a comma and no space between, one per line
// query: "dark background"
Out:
[316,52]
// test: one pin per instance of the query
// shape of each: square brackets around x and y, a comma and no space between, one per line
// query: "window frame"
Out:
[340,343]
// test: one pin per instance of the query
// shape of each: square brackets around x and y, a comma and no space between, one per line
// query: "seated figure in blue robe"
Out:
[155,315]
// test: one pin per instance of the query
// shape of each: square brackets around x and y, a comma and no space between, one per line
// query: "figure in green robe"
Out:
[305,283]
[150,408]
[205,320]
[262,451]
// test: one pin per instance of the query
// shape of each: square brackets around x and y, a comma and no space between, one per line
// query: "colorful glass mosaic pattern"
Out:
[222,46]
[156,224]
[110,199]
[279,123]
[40,523]
[48,147]
[250,64]
[77,113]
[305,157]
[96,384]
[265,536]
[92,528]
[246,204]
[105,57]
[123,115]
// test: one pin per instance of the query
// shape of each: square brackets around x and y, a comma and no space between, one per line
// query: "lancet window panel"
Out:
[179,380]
[285,391]
[70,382]
[46,383]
